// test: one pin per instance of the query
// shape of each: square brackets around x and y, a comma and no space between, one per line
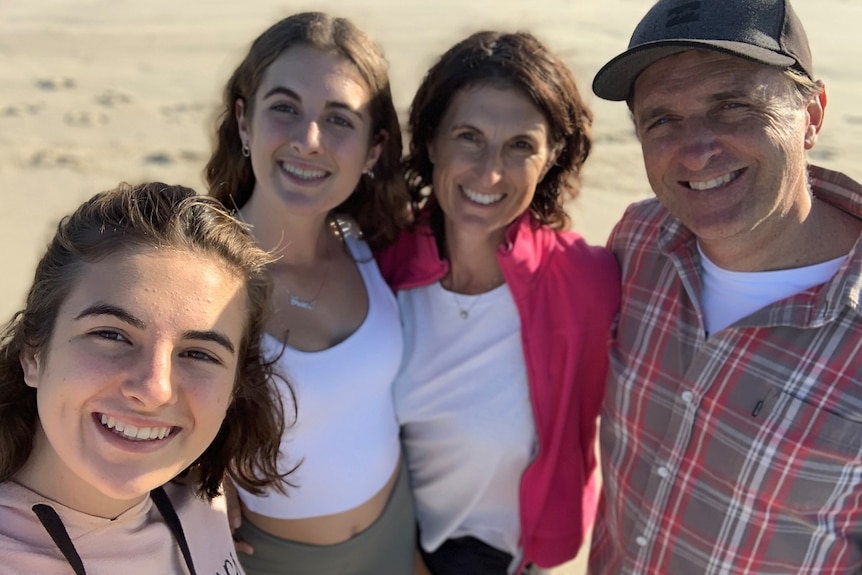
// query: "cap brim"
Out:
[616,79]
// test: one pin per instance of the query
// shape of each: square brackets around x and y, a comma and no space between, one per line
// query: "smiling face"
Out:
[489,152]
[724,143]
[136,378]
[309,130]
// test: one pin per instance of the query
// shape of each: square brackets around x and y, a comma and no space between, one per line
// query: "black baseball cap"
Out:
[766,31]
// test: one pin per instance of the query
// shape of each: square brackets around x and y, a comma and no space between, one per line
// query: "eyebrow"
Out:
[284,91]
[112,310]
[210,335]
[126,317]
[529,133]
[657,111]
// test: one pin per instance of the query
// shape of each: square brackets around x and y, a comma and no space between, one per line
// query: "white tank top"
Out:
[346,435]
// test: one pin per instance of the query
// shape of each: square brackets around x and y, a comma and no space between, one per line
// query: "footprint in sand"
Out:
[112,98]
[857,120]
[16,111]
[85,119]
[159,158]
[48,158]
[163,158]
[54,84]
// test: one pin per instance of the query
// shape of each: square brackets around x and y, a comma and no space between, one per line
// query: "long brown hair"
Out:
[163,216]
[378,204]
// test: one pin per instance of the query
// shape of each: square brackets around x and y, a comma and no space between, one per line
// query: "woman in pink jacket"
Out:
[506,315]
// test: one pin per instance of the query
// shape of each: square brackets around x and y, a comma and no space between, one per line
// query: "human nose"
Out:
[699,144]
[150,384]
[306,137]
[490,168]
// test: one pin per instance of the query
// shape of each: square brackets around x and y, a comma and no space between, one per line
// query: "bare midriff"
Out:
[327,529]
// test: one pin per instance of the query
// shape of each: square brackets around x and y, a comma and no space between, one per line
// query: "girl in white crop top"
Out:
[308,151]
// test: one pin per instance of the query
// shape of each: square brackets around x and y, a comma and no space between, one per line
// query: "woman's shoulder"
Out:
[588,273]
[570,248]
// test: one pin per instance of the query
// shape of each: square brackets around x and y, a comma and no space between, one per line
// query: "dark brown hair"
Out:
[165,217]
[379,203]
[515,60]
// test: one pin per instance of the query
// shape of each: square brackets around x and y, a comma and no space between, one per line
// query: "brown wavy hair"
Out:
[515,60]
[165,217]
[379,203]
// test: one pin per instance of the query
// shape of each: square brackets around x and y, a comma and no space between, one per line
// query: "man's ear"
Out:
[815,112]
[29,359]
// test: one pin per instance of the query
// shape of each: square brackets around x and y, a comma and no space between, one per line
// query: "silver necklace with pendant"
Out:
[307,304]
[465,312]
[338,227]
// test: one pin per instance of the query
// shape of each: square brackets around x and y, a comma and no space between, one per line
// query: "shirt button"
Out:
[687,396]
[663,472]
[641,541]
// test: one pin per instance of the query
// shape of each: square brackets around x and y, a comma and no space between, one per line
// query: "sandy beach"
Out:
[95,92]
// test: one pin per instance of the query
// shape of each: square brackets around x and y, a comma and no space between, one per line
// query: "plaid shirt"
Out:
[741,453]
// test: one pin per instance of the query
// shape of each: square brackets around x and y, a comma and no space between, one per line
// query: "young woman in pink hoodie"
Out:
[131,384]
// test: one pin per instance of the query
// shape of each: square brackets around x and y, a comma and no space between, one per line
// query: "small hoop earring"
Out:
[245,151]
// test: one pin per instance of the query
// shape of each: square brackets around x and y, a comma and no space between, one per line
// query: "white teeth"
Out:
[132,432]
[484,199]
[710,184]
[303,174]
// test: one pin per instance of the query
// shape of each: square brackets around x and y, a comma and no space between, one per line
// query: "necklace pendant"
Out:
[301,303]
[464,314]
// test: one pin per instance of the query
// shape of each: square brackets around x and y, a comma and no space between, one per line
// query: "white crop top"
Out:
[346,436]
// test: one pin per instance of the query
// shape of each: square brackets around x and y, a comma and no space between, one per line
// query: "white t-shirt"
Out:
[136,543]
[463,402]
[729,296]
[346,435]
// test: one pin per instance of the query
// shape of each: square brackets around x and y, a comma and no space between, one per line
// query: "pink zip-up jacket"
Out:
[567,293]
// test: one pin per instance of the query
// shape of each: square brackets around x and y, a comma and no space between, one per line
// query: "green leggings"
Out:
[387,547]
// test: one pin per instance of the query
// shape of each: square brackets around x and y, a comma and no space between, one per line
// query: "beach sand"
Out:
[95,92]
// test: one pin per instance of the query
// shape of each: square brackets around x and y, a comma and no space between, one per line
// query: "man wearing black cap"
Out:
[732,428]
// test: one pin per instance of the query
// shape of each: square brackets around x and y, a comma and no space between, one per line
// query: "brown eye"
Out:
[341,121]
[201,356]
[109,334]
[284,108]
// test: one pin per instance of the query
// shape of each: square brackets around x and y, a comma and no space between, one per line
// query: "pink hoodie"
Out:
[567,293]
[136,542]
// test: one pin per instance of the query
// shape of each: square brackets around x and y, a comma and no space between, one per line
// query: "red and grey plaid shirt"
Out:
[740,453]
